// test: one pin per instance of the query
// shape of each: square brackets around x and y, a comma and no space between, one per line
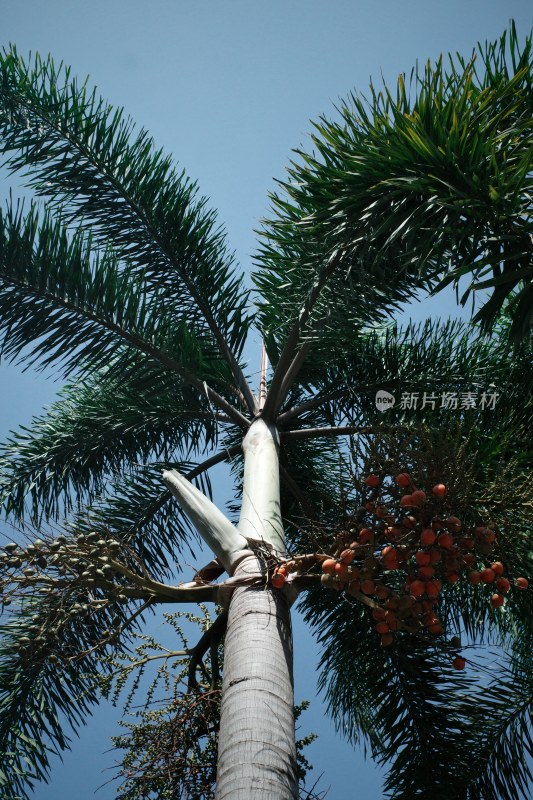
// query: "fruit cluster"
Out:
[399,551]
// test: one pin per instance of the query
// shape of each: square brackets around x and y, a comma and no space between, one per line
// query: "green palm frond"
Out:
[61,302]
[502,761]
[74,148]
[138,510]
[425,360]
[405,191]
[363,692]
[46,684]
[426,357]
[442,733]
[491,758]
[99,429]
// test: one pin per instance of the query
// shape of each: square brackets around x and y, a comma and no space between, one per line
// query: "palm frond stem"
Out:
[274,396]
[308,405]
[315,433]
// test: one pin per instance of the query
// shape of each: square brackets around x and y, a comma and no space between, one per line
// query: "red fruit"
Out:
[389,553]
[372,481]
[474,577]
[418,497]
[436,629]
[365,535]
[432,589]
[417,588]
[434,556]
[487,575]
[409,522]
[328,566]
[469,559]
[426,572]
[497,568]
[452,577]
[341,571]
[427,536]
[439,490]
[403,480]
[381,591]
[386,640]
[368,586]
[391,564]
[382,627]
[347,556]
[378,614]
[497,600]
[522,583]
[392,532]
[467,544]
[487,534]
[503,585]
[278,580]
[453,523]
[445,540]
[406,501]
[422,558]
[459,663]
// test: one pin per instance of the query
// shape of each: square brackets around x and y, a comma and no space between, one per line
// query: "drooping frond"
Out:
[403,192]
[60,302]
[109,425]
[141,512]
[443,734]
[75,149]
[46,686]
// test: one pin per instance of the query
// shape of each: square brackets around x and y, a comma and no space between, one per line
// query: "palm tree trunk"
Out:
[257,754]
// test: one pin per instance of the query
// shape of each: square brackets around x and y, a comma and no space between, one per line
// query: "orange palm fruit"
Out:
[403,480]
[417,588]
[503,585]
[278,580]
[427,537]
[328,566]
[418,497]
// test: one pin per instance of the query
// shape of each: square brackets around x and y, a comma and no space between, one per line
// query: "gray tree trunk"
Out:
[256,758]
[257,753]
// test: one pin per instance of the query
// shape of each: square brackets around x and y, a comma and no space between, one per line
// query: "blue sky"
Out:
[229,88]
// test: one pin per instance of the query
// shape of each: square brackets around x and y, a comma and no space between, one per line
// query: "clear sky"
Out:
[229,87]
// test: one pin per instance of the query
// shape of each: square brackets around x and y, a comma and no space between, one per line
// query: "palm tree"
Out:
[120,277]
